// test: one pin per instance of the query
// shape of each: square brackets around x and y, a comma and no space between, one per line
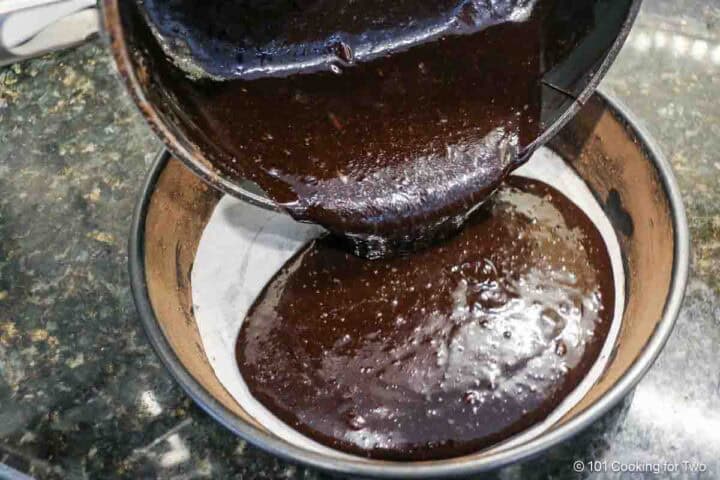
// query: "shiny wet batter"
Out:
[390,145]
[444,352]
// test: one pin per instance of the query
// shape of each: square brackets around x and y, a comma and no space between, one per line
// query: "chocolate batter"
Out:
[445,352]
[255,38]
[392,147]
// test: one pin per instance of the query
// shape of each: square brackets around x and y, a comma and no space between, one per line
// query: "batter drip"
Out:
[392,150]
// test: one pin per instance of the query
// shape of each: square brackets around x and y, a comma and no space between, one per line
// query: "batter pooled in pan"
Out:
[441,353]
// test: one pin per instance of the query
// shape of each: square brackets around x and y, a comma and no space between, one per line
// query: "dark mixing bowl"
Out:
[587,35]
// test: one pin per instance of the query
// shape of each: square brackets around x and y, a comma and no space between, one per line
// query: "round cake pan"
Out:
[620,164]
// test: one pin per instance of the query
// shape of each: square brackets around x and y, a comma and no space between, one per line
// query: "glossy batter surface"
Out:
[248,39]
[391,148]
[441,353]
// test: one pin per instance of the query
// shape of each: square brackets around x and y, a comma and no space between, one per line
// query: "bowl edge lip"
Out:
[450,467]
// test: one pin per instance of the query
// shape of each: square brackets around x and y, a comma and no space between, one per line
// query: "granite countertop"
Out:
[82,395]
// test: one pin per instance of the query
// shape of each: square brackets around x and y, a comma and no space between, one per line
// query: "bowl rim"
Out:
[438,468]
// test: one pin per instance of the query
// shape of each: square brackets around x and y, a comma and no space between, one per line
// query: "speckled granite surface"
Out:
[83,396]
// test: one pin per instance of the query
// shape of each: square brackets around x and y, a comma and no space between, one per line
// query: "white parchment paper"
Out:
[242,247]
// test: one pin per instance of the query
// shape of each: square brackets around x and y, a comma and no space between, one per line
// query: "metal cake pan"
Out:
[606,145]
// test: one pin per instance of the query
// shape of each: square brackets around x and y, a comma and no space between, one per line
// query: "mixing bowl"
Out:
[620,164]
[587,35]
